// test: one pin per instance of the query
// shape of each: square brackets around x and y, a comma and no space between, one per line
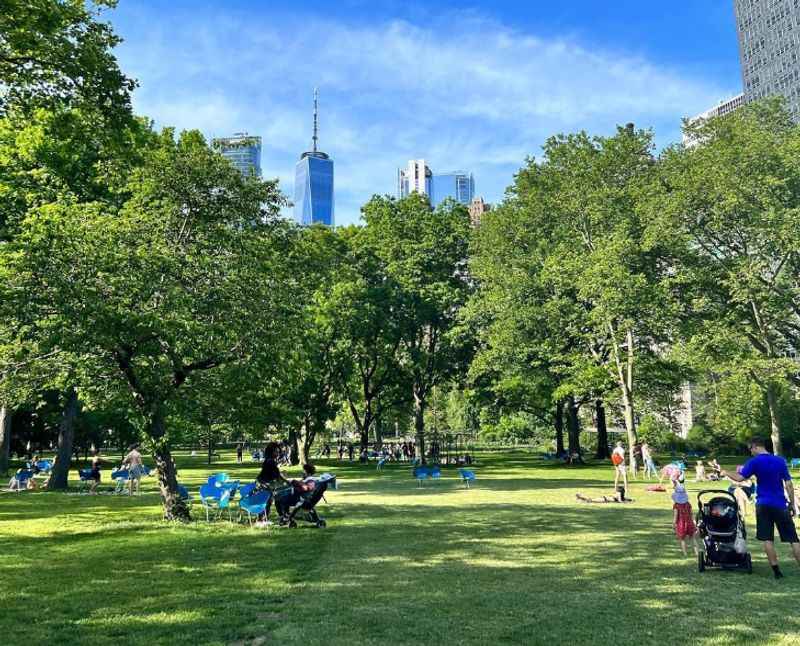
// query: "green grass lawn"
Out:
[514,560]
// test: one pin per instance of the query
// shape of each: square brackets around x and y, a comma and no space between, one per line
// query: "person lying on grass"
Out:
[619,497]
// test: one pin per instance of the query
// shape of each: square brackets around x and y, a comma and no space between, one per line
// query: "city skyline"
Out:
[492,83]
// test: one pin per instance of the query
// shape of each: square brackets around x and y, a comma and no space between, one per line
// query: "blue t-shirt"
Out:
[771,472]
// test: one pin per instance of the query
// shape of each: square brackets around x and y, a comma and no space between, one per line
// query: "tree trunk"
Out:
[378,434]
[558,422]
[774,418]
[5,439]
[602,431]
[210,444]
[175,508]
[59,476]
[630,426]
[294,447]
[573,427]
[419,426]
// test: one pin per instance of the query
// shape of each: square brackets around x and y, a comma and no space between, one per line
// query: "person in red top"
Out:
[682,521]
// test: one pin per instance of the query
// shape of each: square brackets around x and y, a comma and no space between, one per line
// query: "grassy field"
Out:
[514,560]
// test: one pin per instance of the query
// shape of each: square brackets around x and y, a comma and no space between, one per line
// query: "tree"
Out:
[424,252]
[56,52]
[186,277]
[728,206]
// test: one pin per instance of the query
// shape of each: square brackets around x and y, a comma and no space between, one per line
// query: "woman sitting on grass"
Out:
[619,497]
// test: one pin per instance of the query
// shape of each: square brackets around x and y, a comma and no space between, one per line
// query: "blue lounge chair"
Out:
[467,476]
[85,478]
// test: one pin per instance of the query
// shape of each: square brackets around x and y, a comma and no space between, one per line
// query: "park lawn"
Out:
[513,560]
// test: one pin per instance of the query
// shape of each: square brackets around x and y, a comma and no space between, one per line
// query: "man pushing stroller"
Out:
[773,510]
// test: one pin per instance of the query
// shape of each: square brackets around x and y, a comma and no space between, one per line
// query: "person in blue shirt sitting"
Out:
[772,507]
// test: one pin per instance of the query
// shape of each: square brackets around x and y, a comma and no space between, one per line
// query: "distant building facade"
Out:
[417,177]
[243,151]
[477,209]
[313,182]
[769,47]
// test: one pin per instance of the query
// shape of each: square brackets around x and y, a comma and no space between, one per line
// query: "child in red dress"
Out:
[682,521]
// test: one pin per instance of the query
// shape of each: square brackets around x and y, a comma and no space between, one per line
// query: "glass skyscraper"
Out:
[459,185]
[418,178]
[242,150]
[769,47]
[313,182]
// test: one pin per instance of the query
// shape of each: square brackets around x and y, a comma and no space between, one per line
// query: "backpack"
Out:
[617,459]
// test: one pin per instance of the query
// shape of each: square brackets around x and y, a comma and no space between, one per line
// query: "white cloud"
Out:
[469,94]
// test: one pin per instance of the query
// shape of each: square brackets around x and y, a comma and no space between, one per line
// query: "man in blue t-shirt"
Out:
[772,507]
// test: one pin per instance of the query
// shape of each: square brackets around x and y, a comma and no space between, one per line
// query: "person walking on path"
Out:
[618,460]
[774,485]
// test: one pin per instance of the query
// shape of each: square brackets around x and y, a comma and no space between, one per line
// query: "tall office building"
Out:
[417,177]
[313,182]
[458,185]
[769,46]
[242,150]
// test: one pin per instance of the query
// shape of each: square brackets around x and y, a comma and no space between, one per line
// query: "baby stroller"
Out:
[722,531]
[293,507]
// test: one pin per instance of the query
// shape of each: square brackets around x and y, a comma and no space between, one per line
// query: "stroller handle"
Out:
[716,492]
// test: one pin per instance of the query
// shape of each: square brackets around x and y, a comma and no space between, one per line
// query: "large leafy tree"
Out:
[424,251]
[730,207]
[188,276]
[57,52]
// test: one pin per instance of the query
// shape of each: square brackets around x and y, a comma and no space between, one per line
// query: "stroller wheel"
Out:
[292,522]
[701,562]
[321,523]
[748,564]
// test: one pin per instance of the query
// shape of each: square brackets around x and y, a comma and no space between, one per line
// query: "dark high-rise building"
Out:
[313,182]
[242,150]
[769,47]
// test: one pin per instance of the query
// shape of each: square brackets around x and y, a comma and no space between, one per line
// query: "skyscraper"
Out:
[242,150]
[417,177]
[458,185]
[769,46]
[313,182]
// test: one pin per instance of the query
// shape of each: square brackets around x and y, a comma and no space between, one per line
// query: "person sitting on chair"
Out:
[270,477]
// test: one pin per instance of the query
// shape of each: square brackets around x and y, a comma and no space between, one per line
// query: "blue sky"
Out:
[476,85]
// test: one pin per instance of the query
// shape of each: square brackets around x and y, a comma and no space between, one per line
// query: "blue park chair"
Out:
[421,473]
[254,504]
[85,478]
[215,499]
[120,478]
[21,479]
[795,463]
[467,476]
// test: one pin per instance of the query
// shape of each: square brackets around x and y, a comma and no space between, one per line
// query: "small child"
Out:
[682,521]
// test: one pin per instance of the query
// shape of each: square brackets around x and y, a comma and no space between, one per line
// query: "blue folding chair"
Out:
[183,492]
[381,462]
[246,490]
[254,504]
[44,466]
[85,478]
[795,464]
[215,499]
[467,476]
[436,472]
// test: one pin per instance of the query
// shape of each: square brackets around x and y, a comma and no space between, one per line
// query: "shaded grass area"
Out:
[514,560]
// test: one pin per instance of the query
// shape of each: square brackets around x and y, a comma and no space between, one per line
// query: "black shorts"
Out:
[767,518]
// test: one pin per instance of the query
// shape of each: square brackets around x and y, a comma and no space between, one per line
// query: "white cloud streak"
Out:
[465,93]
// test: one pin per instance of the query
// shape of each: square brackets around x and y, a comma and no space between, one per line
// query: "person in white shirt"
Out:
[618,459]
